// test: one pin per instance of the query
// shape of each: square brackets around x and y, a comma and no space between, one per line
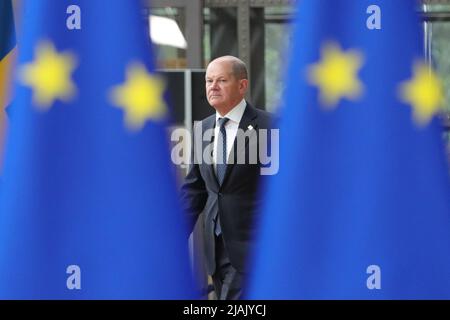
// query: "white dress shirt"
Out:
[231,127]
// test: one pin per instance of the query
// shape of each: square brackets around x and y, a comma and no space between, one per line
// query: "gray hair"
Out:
[237,65]
[239,68]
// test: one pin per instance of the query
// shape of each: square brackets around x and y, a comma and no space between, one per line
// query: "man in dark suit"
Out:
[224,183]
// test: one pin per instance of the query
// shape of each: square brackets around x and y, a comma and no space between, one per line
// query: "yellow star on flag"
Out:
[49,75]
[140,96]
[336,75]
[424,92]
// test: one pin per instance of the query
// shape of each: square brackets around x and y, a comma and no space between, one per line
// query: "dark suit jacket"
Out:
[236,200]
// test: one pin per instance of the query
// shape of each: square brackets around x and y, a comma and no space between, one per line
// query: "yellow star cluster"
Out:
[336,77]
[50,77]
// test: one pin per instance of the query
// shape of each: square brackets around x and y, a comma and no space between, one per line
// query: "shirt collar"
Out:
[236,113]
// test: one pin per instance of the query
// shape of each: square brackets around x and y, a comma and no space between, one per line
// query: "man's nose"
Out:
[214,85]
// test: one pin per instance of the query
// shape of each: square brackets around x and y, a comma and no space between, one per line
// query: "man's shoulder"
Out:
[264,114]
[206,122]
[211,118]
[265,118]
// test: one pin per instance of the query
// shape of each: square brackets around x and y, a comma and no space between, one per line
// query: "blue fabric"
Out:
[80,188]
[361,186]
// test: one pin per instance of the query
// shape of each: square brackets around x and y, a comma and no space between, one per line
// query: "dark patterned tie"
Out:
[221,163]
[221,156]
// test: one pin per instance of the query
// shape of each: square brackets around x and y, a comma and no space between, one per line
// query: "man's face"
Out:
[223,90]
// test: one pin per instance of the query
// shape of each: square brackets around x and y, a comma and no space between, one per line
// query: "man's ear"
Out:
[243,85]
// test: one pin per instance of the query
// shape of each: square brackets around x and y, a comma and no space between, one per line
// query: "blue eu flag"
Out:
[89,207]
[360,208]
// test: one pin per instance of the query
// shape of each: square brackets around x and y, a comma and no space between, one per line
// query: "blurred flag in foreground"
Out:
[8,54]
[361,206]
[88,207]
